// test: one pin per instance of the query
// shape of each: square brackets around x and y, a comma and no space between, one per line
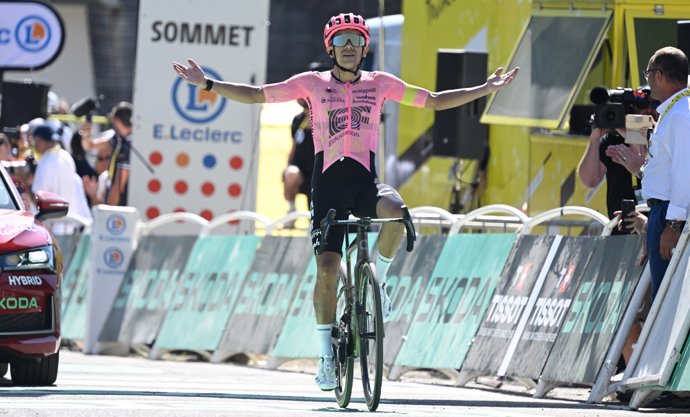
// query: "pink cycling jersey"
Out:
[345,116]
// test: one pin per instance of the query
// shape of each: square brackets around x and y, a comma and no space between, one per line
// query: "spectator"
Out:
[666,172]
[57,174]
[5,148]
[95,187]
[118,141]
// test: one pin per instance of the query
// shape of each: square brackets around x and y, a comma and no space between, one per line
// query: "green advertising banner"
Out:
[455,300]
[75,284]
[68,244]
[76,271]
[595,311]
[147,289]
[298,337]
[408,276]
[207,293]
[266,296]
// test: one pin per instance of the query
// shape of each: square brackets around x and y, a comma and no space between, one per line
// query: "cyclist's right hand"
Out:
[192,74]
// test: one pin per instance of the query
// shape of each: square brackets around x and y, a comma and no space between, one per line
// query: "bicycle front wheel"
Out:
[342,343]
[370,319]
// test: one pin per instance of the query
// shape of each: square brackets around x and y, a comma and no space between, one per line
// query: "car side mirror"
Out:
[50,206]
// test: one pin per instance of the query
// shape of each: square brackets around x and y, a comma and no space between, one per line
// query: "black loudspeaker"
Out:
[457,131]
[684,37]
[22,102]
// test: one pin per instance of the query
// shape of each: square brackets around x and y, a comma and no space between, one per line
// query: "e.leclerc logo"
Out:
[195,105]
[113,257]
[32,33]
[115,224]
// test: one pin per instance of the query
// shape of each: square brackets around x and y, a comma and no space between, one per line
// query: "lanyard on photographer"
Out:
[674,101]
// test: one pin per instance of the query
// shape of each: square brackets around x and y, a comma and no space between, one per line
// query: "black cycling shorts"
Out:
[347,187]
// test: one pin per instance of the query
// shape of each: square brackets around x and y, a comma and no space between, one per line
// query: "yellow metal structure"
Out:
[531,167]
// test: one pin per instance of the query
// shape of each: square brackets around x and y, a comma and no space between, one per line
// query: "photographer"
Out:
[608,155]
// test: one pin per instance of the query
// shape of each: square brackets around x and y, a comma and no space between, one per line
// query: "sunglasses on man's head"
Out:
[342,39]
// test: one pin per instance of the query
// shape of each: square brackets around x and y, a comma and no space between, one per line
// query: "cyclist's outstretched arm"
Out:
[243,93]
[453,98]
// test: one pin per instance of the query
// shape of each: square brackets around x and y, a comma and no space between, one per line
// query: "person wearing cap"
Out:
[345,104]
[56,173]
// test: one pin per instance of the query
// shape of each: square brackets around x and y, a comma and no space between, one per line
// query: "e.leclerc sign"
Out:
[31,35]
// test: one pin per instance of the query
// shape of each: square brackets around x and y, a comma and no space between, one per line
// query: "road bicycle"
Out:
[358,331]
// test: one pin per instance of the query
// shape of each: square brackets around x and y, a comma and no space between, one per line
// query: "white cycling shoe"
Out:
[325,375]
[386,304]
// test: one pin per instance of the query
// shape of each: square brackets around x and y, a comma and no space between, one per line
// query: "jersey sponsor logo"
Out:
[337,119]
[32,33]
[332,100]
[195,104]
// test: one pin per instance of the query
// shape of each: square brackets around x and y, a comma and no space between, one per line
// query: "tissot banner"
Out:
[508,304]
[595,311]
[549,311]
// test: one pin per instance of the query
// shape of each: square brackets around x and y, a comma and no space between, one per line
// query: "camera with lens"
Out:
[611,106]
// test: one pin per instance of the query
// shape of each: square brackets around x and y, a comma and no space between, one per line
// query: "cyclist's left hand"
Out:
[497,81]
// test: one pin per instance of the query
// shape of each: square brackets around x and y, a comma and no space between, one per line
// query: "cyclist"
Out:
[345,105]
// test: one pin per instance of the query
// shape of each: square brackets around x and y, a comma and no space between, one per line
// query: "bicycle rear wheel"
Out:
[371,336]
[342,344]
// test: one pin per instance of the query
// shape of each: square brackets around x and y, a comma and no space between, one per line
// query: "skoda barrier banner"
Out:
[298,339]
[548,313]
[202,148]
[147,290]
[76,271]
[408,277]
[31,35]
[207,293]
[507,304]
[264,301]
[455,300]
[596,311]
[74,291]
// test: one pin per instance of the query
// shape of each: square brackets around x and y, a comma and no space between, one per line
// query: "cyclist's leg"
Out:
[389,205]
[381,200]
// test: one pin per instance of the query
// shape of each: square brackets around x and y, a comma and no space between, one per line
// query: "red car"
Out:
[30,275]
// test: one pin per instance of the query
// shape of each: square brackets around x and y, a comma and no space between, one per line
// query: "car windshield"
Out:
[6,200]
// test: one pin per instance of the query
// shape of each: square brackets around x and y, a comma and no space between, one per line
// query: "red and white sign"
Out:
[203,148]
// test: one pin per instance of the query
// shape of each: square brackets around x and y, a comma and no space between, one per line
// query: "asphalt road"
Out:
[135,386]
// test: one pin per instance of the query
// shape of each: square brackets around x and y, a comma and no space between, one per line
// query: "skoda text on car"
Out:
[30,276]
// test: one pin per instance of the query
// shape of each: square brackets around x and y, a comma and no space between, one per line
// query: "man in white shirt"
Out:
[57,174]
[665,175]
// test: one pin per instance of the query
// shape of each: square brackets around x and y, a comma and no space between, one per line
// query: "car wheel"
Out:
[35,372]
[3,369]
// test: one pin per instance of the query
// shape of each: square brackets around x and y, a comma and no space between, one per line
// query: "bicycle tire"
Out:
[342,349]
[371,332]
